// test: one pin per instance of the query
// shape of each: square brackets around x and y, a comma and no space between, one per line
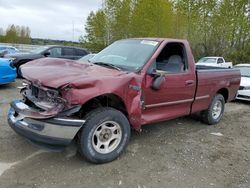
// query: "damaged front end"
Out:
[44,117]
[44,101]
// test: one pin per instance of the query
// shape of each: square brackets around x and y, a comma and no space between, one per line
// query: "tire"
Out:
[215,110]
[18,65]
[104,125]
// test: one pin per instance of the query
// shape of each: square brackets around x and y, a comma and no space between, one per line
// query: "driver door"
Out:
[176,94]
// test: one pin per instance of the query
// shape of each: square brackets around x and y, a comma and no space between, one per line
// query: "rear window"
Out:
[68,52]
[80,52]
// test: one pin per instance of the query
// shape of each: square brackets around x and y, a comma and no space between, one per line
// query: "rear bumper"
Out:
[48,132]
[243,95]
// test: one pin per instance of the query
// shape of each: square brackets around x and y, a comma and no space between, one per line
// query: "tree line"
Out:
[213,27]
[21,35]
[15,34]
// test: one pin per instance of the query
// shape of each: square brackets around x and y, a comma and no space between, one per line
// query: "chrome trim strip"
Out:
[70,120]
[168,103]
[202,97]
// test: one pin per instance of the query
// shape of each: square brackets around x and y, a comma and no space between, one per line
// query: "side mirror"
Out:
[157,82]
[46,54]
[153,72]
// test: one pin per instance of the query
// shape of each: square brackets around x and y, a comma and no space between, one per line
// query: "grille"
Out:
[244,96]
[241,88]
[34,91]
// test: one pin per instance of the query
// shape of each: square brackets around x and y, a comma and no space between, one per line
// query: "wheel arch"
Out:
[104,100]
[224,92]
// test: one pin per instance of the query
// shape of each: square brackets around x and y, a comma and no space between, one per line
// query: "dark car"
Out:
[47,51]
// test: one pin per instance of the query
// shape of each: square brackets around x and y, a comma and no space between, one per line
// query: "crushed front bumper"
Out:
[50,132]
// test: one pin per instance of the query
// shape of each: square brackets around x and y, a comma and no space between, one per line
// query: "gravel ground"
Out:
[178,153]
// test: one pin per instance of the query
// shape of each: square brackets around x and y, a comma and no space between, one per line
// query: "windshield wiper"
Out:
[108,65]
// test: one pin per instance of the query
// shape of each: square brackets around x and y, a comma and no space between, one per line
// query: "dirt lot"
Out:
[177,153]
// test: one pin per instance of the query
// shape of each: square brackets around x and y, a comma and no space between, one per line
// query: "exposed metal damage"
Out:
[45,102]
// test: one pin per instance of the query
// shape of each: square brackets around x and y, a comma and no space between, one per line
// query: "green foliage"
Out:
[96,38]
[212,27]
[16,34]
[21,35]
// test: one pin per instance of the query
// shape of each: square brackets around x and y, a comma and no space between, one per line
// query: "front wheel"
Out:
[215,110]
[104,136]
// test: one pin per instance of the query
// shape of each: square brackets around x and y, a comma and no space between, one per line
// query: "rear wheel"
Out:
[104,136]
[215,110]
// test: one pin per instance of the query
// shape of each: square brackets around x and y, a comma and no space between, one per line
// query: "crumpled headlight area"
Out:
[44,98]
[52,93]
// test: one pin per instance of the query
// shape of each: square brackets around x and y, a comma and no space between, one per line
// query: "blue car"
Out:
[7,50]
[7,71]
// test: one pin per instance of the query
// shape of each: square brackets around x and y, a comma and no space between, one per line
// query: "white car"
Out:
[214,62]
[244,91]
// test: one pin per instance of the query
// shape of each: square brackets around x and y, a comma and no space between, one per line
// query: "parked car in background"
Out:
[214,62]
[47,51]
[244,91]
[7,71]
[130,83]
[87,57]
[7,50]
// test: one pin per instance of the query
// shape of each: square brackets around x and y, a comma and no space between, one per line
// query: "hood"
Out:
[55,73]
[245,81]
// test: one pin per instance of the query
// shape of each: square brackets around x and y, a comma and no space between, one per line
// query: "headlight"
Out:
[12,65]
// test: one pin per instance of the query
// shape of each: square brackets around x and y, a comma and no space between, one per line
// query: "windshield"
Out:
[207,60]
[129,54]
[39,49]
[245,71]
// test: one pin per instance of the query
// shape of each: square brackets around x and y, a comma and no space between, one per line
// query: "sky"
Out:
[48,19]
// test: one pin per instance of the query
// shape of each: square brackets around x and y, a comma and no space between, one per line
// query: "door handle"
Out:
[189,82]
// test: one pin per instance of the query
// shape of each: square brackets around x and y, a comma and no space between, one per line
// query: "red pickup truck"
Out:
[130,83]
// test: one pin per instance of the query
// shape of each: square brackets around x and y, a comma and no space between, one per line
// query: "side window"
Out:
[80,52]
[68,52]
[220,60]
[172,58]
[55,52]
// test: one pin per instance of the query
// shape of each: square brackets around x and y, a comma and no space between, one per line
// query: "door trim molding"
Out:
[202,97]
[168,103]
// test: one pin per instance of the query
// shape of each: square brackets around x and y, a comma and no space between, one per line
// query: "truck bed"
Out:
[210,80]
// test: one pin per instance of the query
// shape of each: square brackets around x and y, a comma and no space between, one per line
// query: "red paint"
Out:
[86,81]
